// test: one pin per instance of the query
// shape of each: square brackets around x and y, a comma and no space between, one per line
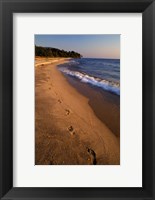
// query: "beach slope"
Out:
[67,132]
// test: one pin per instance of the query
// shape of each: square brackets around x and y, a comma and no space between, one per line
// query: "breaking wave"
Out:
[104,84]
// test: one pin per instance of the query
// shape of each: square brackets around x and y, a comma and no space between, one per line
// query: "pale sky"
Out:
[89,46]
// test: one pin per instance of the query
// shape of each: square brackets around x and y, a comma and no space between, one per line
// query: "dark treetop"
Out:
[53,52]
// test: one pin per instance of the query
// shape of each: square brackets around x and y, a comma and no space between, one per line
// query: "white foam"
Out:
[104,84]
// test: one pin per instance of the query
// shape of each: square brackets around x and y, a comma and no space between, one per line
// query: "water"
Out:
[102,73]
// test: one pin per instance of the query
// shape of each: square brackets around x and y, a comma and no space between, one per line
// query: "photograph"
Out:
[77,99]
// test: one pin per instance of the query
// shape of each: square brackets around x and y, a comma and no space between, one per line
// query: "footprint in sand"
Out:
[67,111]
[59,101]
[92,155]
[71,130]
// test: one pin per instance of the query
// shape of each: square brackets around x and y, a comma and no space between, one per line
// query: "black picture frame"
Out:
[7,8]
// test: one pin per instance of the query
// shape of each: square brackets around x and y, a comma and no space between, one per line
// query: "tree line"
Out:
[53,52]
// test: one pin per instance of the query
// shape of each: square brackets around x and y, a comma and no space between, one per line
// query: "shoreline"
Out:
[105,105]
[67,130]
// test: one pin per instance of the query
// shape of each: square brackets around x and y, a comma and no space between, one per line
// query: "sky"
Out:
[89,46]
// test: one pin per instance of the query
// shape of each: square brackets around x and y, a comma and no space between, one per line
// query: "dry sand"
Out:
[67,132]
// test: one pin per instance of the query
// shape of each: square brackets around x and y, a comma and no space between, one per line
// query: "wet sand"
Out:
[105,105]
[67,131]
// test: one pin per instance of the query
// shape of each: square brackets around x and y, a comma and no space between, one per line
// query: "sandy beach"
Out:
[67,131]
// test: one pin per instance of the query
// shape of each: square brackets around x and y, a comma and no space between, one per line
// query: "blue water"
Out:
[102,73]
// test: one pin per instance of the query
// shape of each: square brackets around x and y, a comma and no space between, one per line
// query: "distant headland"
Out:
[54,52]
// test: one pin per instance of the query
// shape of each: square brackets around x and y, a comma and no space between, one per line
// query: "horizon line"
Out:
[101,58]
[77,52]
